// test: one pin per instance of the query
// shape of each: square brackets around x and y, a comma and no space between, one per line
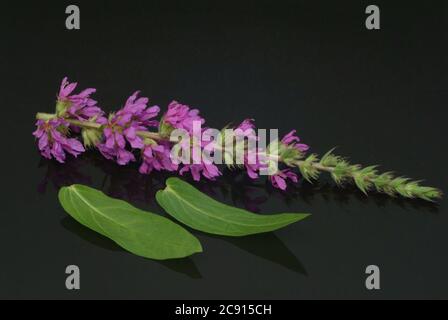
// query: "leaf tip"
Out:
[301,216]
[199,248]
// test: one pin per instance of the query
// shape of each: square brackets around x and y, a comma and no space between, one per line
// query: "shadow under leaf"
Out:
[269,247]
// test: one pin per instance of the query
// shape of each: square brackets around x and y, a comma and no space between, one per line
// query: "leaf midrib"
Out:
[114,221]
[96,210]
[219,218]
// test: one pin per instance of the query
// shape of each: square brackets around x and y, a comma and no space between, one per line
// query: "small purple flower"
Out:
[123,126]
[292,140]
[246,124]
[252,170]
[209,171]
[279,179]
[52,141]
[156,157]
[246,129]
[253,162]
[79,106]
[114,146]
[135,111]
[180,116]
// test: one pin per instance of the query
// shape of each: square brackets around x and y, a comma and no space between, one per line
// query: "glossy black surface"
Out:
[381,96]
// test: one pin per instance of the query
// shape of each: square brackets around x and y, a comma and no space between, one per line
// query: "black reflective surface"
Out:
[380,96]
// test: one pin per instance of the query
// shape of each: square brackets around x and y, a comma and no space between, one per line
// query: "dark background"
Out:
[311,65]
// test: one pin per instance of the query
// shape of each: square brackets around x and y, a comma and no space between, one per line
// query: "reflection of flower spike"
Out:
[156,157]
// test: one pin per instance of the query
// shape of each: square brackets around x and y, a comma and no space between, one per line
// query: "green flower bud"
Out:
[289,154]
[165,129]
[91,136]
[61,107]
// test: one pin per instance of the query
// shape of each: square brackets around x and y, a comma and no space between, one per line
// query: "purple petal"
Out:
[43,142]
[119,139]
[279,182]
[130,133]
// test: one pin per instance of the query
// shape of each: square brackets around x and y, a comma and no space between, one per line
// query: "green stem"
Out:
[45,116]
[150,135]
[84,124]
[94,125]
[317,166]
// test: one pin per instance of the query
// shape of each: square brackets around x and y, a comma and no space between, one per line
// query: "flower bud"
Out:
[289,154]
[165,129]
[91,137]
[61,107]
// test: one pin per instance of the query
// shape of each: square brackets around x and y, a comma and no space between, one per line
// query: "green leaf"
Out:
[142,233]
[199,211]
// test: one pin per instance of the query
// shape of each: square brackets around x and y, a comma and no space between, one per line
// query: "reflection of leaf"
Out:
[142,233]
[268,246]
[185,266]
[199,211]
[89,235]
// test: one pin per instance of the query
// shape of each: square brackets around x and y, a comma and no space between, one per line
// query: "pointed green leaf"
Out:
[199,211]
[142,233]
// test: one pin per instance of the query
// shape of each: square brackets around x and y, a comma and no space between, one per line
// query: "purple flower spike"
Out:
[279,179]
[53,143]
[180,116]
[78,106]
[156,157]
[292,140]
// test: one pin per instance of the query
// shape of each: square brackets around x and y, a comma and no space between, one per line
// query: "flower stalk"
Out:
[94,125]
[365,178]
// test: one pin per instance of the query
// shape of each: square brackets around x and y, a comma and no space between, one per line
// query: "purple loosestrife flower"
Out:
[209,171]
[156,157]
[114,146]
[78,106]
[180,116]
[292,140]
[246,129]
[136,111]
[53,142]
[200,162]
[254,158]
[123,127]
[254,161]
[290,150]
[279,179]
[246,124]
